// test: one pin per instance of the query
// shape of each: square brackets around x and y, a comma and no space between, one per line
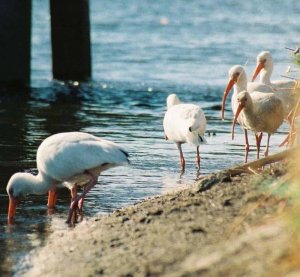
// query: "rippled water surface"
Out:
[142,51]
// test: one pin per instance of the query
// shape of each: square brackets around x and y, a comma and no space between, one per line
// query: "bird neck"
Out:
[265,75]
[37,184]
[241,84]
[249,110]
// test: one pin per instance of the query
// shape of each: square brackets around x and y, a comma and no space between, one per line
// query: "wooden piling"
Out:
[70,33]
[15,42]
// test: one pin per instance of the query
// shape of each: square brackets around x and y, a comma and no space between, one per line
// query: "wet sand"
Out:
[220,226]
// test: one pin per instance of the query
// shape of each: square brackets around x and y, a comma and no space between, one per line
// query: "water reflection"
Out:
[126,113]
[25,122]
[137,62]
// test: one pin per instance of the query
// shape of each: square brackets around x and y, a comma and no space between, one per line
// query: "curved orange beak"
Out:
[13,202]
[226,92]
[238,111]
[258,68]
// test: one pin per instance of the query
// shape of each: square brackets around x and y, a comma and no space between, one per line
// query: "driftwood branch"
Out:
[250,167]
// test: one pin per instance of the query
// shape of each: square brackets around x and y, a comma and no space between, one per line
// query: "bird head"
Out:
[172,100]
[15,190]
[263,60]
[234,74]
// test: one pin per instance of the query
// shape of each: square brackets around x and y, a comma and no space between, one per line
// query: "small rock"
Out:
[155,212]
[145,220]
[142,219]
[206,183]
[99,271]
[227,202]
[198,229]
[95,241]
[124,219]
[226,179]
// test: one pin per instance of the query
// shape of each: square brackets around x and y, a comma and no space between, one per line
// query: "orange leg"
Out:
[80,205]
[198,158]
[52,194]
[77,202]
[73,192]
[182,160]
[258,138]
[73,215]
[267,148]
[246,145]
[285,141]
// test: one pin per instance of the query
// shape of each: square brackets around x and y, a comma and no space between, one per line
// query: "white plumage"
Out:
[238,80]
[69,159]
[283,89]
[65,155]
[184,123]
[264,67]
[262,112]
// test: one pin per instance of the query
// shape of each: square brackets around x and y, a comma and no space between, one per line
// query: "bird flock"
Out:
[260,107]
[76,159]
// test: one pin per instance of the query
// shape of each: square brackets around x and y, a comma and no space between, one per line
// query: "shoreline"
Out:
[219,225]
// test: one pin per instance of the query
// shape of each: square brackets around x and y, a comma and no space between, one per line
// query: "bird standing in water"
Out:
[262,112]
[286,90]
[238,80]
[70,159]
[283,89]
[184,123]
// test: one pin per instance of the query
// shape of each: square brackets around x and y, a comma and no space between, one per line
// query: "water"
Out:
[142,51]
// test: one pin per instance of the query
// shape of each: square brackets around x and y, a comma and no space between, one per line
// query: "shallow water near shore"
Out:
[140,55]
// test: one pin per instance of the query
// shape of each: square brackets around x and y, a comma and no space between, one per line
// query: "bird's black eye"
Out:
[237,74]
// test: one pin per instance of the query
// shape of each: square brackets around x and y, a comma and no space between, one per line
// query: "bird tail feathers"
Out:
[196,139]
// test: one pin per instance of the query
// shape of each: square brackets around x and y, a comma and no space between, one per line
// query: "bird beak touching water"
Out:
[13,202]
[238,111]
[259,67]
[226,92]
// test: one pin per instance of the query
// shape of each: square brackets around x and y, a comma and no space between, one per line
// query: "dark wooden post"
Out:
[15,42]
[70,33]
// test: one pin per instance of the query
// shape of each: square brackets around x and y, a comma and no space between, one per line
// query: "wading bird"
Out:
[285,90]
[70,159]
[261,112]
[238,80]
[184,123]
[264,67]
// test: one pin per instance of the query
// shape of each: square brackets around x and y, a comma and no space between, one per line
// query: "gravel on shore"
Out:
[220,226]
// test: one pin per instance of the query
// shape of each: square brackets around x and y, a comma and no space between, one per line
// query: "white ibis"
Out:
[262,112]
[283,89]
[264,66]
[238,80]
[184,123]
[70,159]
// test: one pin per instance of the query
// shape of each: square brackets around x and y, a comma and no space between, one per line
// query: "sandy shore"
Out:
[220,226]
